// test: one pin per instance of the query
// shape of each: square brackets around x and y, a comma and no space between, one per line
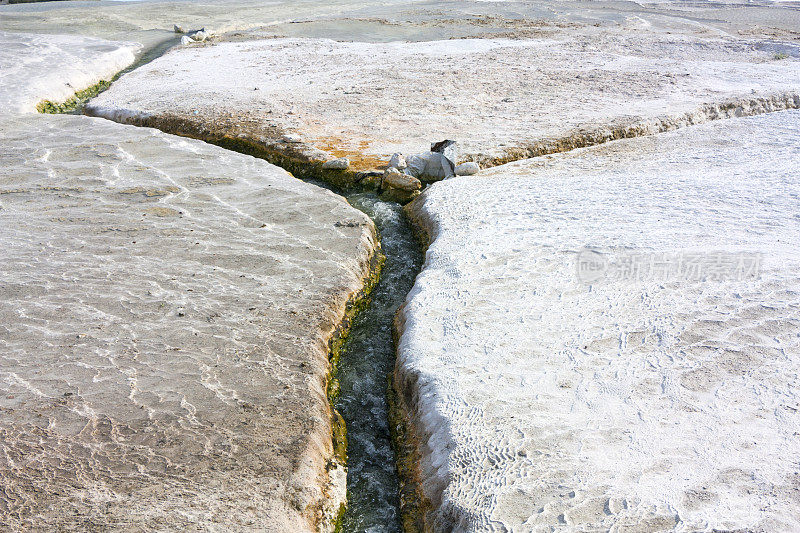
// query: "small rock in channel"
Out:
[467,169]
[337,164]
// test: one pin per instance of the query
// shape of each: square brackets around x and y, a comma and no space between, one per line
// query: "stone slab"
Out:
[54,67]
[500,98]
[646,400]
[165,308]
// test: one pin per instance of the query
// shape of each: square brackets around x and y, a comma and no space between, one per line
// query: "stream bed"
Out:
[366,362]
[363,372]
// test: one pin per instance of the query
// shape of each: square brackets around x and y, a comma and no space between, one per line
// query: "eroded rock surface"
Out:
[165,308]
[651,401]
[502,99]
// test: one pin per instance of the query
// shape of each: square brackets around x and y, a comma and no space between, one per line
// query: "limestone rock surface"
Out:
[165,308]
[660,398]
[579,85]
[53,67]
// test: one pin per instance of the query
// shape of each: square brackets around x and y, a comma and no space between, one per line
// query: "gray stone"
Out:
[415,164]
[467,169]
[447,148]
[337,164]
[291,139]
[437,167]
[398,161]
[178,29]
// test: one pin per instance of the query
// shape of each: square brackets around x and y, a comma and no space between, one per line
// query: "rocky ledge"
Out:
[645,383]
[166,308]
[307,103]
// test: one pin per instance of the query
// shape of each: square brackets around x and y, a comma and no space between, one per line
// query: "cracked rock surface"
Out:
[666,402]
[165,308]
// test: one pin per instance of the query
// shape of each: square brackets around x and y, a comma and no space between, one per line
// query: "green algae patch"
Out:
[75,102]
[338,523]
[339,434]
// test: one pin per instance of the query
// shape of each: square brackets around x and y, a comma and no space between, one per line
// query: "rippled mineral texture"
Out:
[662,396]
[165,308]
[501,98]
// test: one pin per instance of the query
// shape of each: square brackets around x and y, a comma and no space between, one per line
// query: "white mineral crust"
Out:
[337,94]
[53,67]
[165,311]
[543,403]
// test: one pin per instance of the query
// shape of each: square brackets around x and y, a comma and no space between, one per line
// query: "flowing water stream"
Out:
[363,372]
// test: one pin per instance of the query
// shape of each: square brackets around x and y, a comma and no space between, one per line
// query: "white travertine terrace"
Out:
[164,319]
[497,97]
[54,67]
[545,404]
[164,304]
[165,309]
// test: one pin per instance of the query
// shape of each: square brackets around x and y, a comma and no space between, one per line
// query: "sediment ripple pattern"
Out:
[165,308]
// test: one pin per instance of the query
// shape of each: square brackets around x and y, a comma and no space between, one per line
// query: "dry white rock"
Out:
[398,161]
[337,164]
[661,397]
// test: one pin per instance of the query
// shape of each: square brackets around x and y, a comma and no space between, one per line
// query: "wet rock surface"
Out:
[399,187]
[235,437]
[659,396]
[164,319]
[53,67]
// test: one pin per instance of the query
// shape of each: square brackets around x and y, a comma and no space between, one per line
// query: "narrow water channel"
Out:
[363,372]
